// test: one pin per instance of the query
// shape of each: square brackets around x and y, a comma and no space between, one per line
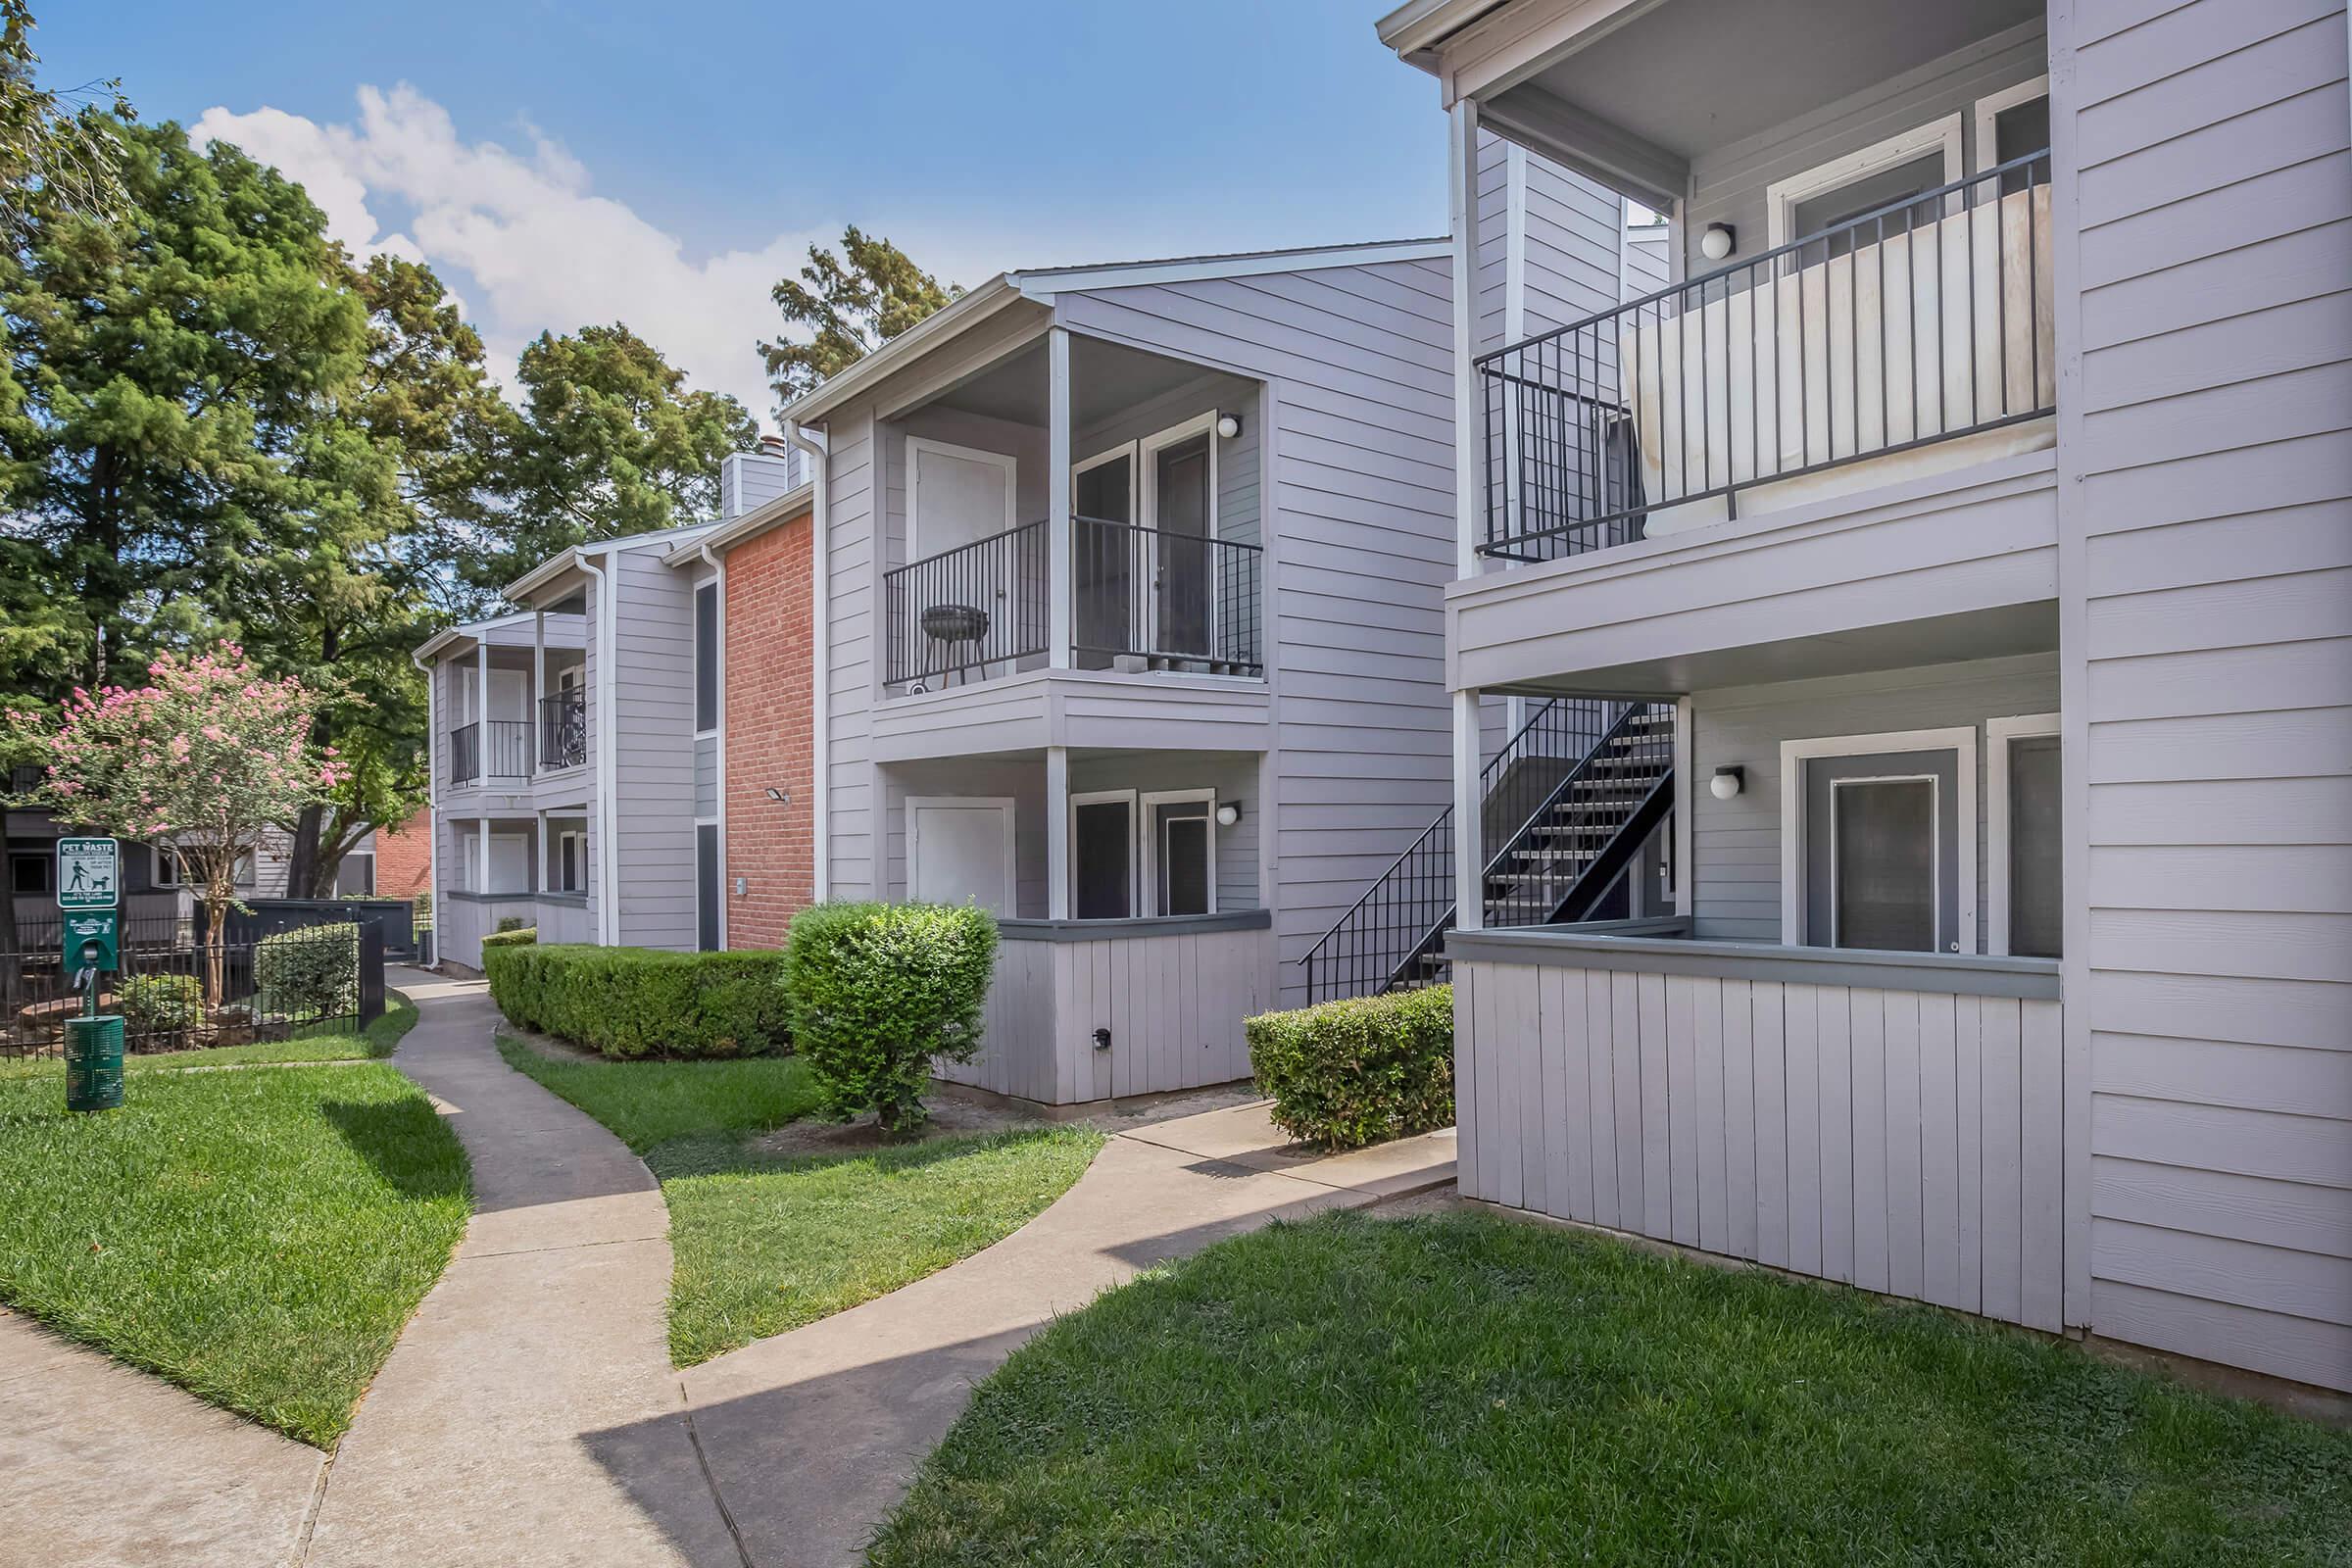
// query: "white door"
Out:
[510,864]
[959,851]
[954,495]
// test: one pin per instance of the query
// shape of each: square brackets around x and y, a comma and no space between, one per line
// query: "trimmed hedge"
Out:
[878,991]
[512,935]
[1343,1074]
[307,974]
[638,1001]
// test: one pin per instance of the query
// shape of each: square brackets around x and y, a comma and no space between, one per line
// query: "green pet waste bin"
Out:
[94,1063]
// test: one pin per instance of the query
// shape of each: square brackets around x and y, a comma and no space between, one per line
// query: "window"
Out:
[1103,856]
[707,872]
[354,877]
[706,658]
[2012,123]
[169,870]
[1147,592]
[1876,831]
[31,875]
[570,861]
[1180,848]
[2025,873]
[1863,181]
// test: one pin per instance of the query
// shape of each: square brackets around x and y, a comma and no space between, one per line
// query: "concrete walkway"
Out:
[100,1464]
[530,1414]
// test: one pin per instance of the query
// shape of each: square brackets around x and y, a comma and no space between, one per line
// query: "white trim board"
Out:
[1988,108]
[1960,739]
[1153,847]
[1782,196]
[1998,733]
[1132,800]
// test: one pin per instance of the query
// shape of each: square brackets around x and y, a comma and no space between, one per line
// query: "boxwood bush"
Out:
[638,1001]
[878,990]
[1343,1074]
[159,1009]
[512,935]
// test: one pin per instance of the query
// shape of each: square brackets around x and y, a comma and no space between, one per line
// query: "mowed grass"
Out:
[762,1242]
[1458,1389]
[259,1237]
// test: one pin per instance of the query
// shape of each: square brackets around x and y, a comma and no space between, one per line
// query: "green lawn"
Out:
[1457,1389]
[258,1237]
[763,1243]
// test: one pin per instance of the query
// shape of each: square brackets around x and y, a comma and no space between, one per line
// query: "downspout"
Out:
[820,615]
[718,781]
[608,901]
[433,794]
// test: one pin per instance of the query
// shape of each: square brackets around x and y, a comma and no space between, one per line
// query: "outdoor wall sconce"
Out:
[1727,782]
[1102,1040]
[780,797]
[1229,425]
[1719,241]
[1229,813]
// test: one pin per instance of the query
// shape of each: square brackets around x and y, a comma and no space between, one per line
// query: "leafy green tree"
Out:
[608,440]
[59,143]
[852,304]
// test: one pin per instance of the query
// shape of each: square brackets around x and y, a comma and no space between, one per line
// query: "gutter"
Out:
[432,788]
[821,617]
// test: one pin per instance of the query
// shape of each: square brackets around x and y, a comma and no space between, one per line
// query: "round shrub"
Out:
[165,1004]
[877,991]
[1343,1074]
[640,1001]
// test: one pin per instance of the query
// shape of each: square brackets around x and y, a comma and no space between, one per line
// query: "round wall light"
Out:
[1229,425]
[1727,782]
[1228,814]
[1718,241]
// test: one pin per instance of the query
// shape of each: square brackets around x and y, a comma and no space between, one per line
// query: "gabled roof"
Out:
[564,561]
[1039,285]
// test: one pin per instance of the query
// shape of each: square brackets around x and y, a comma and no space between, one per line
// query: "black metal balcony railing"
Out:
[499,749]
[1162,600]
[564,729]
[1174,601]
[1919,322]
[966,609]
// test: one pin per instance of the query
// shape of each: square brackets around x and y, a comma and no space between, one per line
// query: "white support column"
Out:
[481,855]
[538,691]
[482,714]
[1058,833]
[1462,173]
[1057,497]
[544,882]
[1469,816]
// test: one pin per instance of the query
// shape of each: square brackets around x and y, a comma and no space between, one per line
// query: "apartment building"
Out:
[1939,585]
[1132,580]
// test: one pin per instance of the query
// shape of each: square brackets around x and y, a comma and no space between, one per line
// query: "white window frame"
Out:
[1998,733]
[1153,848]
[919,444]
[1003,803]
[1780,198]
[1988,109]
[1935,847]
[1960,740]
[1133,800]
[1135,478]
[554,861]
[1147,483]
[158,854]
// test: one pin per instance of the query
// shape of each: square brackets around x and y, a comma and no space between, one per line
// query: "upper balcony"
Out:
[510,700]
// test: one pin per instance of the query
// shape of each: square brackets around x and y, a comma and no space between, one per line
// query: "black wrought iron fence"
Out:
[964,610]
[1165,599]
[315,980]
[564,729]
[1920,322]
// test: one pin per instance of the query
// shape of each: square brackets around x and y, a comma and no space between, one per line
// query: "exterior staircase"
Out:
[1568,803]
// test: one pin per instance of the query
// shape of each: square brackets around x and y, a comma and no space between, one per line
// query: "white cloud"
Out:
[542,250]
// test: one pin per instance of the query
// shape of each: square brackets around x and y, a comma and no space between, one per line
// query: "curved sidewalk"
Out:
[529,1413]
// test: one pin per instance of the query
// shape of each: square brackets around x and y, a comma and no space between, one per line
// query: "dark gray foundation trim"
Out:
[1595,947]
[577,900]
[1165,925]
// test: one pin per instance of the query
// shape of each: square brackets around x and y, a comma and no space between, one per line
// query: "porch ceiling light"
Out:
[1727,782]
[1719,241]
[1228,812]
[1229,425]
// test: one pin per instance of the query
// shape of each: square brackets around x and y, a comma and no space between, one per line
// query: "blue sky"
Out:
[559,161]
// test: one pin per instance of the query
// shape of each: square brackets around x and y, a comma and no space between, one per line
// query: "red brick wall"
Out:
[770,738]
[404,857]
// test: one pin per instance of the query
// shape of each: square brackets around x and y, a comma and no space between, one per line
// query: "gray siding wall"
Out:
[2205,311]
[653,804]
[1360,426]
[1727,184]
[852,788]
[1735,843]
[1565,233]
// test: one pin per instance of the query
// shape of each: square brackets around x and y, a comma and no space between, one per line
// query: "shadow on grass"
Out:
[405,1143]
[729,1155]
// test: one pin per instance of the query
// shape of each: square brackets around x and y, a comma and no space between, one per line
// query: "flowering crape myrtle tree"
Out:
[208,755]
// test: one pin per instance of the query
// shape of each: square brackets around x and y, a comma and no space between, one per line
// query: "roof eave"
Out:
[757,520]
